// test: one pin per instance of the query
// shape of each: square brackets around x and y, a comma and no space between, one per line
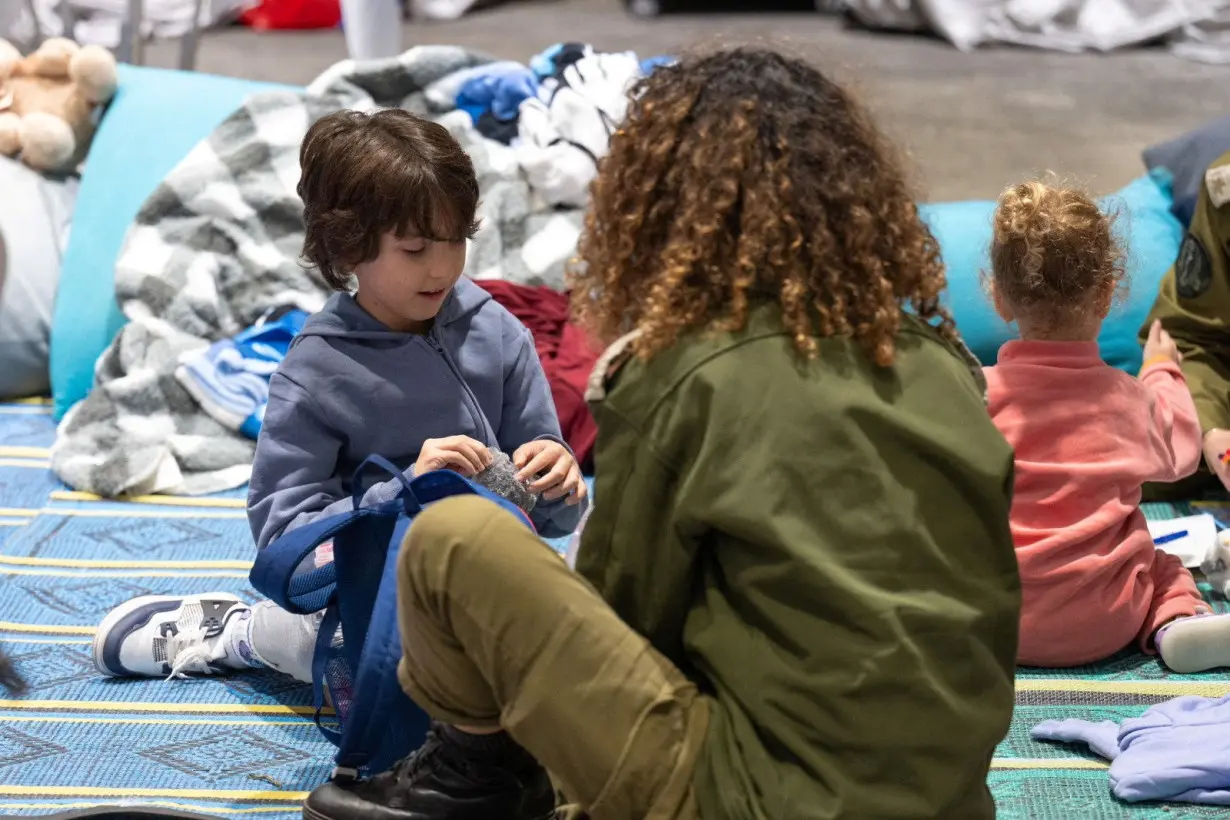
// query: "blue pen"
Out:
[1166,539]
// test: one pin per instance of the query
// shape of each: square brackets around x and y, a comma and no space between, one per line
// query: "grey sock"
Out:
[284,641]
[501,478]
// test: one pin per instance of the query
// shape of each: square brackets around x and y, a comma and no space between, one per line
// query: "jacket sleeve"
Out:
[528,414]
[295,477]
[1174,433]
[1194,307]
[632,548]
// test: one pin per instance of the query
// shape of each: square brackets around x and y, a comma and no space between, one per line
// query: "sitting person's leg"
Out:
[1180,624]
[164,636]
[500,635]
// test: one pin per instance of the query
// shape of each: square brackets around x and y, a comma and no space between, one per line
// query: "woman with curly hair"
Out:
[796,596]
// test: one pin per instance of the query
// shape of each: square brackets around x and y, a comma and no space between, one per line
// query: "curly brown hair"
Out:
[1053,253]
[744,174]
[364,175]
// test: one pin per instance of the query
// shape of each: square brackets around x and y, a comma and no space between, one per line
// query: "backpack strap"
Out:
[274,571]
[358,488]
[320,658]
[274,574]
[441,484]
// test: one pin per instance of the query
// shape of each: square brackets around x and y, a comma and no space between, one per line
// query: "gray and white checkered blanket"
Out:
[218,243]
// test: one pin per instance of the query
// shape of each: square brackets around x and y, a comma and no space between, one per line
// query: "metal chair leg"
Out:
[132,42]
[36,23]
[191,39]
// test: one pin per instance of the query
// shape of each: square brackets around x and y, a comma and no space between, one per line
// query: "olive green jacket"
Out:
[823,546]
[1194,302]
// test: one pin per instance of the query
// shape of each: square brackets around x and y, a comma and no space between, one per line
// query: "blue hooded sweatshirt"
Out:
[349,387]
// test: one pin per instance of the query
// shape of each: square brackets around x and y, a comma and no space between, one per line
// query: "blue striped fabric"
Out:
[246,745]
[239,746]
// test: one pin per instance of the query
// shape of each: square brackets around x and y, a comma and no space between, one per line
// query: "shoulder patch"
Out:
[1192,272]
[1217,182]
[608,365]
[975,368]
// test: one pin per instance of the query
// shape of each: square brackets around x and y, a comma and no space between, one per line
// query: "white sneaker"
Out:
[1195,644]
[160,635]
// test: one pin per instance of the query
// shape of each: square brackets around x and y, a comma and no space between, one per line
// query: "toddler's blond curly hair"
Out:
[1053,253]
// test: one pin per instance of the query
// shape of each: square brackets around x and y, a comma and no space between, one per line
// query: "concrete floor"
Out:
[973,122]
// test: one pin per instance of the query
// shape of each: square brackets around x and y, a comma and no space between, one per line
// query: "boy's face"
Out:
[407,282]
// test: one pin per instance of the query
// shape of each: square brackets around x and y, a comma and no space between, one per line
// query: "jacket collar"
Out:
[608,365]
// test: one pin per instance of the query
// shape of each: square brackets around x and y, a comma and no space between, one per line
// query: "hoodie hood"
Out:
[342,316]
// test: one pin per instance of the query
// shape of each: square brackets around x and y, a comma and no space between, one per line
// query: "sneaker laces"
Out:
[407,769]
[440,754]
[436,754]
[190,652]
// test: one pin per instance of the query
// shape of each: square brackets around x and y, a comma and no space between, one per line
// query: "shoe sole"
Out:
[310,814]
[127,608]
[122,812]
[1197,644]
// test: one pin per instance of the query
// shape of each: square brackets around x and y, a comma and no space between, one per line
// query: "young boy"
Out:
[418,365]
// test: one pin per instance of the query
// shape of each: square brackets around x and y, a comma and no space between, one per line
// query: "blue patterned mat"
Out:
[245,745]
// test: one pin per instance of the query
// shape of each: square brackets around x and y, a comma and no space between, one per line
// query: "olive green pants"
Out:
[497,631]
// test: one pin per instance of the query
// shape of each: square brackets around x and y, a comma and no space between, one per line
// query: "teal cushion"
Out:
[1150,235]
[156,118]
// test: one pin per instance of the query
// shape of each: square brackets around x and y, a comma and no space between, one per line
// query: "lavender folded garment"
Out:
[1178,750]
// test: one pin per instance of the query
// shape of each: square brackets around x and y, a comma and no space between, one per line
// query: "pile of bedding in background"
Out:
[101,22]
[1195,29]
[217,246]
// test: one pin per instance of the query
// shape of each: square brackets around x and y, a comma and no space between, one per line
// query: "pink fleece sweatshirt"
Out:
[1087,436]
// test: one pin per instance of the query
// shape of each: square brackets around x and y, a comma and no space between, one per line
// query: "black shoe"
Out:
[445,779]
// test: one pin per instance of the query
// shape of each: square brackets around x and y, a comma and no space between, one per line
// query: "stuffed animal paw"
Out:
[47,101]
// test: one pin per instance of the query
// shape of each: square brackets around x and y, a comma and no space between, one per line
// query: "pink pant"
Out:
[1080,618]
[1174,596]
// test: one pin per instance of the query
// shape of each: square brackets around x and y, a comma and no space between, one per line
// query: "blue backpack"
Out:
[377,724]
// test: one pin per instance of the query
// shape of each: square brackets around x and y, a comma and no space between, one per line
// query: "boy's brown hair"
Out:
[364,175]
[1053,253]
[742,175]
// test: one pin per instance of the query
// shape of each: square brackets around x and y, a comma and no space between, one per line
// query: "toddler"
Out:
[1087,436]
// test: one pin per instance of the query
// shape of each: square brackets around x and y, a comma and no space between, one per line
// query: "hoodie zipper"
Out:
[475,410]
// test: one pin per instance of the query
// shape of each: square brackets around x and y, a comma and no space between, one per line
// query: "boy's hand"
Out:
[460,454]
[550,470]
[1160,345]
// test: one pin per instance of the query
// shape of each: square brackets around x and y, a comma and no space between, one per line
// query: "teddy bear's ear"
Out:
[53,56]
[93,70]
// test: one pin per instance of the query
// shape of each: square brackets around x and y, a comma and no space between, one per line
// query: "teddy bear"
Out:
[47,101]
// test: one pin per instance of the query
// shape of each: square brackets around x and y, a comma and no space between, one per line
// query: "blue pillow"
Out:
[1148,230]
[155,119]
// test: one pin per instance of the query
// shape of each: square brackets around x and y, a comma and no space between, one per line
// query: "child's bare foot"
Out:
[1195,644]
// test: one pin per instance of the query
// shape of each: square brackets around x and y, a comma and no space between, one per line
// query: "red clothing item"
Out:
[1087,436]
[567,356]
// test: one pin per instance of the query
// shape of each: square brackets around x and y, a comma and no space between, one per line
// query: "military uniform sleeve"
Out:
[1194,302]
[632,550]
